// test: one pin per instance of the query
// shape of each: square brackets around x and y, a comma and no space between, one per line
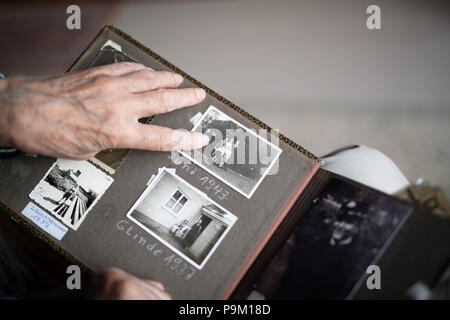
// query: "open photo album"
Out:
[252,210]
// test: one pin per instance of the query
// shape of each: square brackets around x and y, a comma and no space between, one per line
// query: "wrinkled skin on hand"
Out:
[79,114]
[116,284]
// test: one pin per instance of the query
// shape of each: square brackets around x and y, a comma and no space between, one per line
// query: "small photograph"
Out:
[236,155]
[70,189]
[345,230]
[181,217]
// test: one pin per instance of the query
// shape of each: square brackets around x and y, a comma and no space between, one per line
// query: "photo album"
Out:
[250,212]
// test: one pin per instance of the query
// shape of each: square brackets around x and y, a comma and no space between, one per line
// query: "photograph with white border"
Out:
[70,189]
[236,155]
[182,217]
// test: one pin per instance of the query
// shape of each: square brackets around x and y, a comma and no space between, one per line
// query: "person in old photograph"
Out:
[67,194]
[227,139]
[348,221]
[70,189]
[66,201]
[234,154]
[181,217]
[182,229]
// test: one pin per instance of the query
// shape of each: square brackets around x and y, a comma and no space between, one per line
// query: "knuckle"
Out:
[165,98]
[160,96]
[165,141]
[122,64]
[128,65]
[123,289]
[158,141]
[105,277]
[119,66]
[113,271]
[124,67]
[107,84]
[100,80]
[147,73]
[146,78]
[152,77]
[111,275]
[85,73]
[157,284]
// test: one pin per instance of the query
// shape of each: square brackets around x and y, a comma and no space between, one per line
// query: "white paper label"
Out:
[44,221]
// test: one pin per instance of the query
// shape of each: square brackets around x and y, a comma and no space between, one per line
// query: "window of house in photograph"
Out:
[176,202]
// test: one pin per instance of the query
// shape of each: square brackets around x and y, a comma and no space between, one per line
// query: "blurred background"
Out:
[310,68]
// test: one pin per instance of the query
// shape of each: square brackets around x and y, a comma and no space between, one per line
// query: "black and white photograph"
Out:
[70,189]
[236,155]
[181,217]
[345,230]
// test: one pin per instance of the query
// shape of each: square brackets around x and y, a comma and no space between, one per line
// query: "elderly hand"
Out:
[116,284]
[77,115]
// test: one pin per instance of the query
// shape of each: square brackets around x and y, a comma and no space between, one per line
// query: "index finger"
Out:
[157,138]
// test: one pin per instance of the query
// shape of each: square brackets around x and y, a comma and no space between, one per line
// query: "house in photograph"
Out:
[182,217]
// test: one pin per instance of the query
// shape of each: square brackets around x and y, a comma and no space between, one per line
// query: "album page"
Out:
[193,220]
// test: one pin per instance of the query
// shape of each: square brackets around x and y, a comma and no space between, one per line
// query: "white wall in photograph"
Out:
[164,192]
[182,217]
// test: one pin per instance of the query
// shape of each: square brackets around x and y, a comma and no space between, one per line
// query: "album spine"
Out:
[269,232]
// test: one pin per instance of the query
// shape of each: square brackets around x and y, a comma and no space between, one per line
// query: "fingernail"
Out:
[200,93]
[178,79]
[203,140]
